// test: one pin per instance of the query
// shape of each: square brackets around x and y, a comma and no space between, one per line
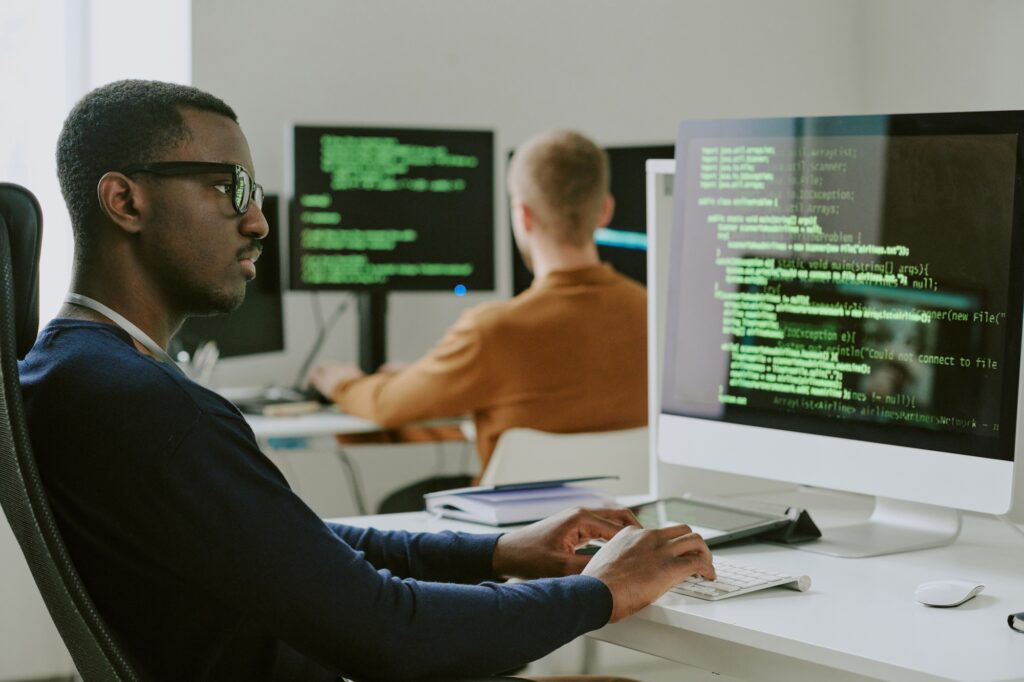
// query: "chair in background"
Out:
[530,455]
[93,649]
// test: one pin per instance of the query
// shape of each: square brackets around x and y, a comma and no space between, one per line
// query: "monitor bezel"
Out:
[486,283]
[930,477]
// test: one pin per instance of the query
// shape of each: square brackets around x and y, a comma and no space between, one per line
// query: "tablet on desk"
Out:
[716,521]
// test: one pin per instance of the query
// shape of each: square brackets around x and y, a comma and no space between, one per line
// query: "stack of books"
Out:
[513,503]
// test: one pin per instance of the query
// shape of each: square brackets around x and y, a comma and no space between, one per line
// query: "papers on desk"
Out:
[509,504]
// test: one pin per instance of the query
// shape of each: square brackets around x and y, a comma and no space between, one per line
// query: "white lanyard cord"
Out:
[149,344]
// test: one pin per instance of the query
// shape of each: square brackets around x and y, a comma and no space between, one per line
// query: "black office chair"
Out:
[93,649]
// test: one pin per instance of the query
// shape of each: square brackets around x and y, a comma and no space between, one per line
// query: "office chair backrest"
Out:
[529,455]
[22,497]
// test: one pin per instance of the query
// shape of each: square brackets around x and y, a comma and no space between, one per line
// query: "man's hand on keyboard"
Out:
[548,548]
[639,565]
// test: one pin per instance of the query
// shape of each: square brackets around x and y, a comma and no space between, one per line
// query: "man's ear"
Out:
[121,199]
[607,209]
[525,215]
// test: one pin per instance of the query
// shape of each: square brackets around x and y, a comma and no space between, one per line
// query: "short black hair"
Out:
[116,125]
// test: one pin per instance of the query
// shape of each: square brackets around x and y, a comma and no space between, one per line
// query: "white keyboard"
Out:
[735,579]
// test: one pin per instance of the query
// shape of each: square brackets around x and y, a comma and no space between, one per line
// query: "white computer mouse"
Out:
[947,592]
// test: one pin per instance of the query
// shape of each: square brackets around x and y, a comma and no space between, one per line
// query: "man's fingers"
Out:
[688,543]
[698,564]
[672,532]
[693,548]
[604,523]
[597,528]
[621,515]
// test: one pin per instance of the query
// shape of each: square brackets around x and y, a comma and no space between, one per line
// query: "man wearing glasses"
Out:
[198,556]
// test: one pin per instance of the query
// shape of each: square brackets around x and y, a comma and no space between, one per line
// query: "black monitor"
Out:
[391,209]
[623,243]
[257,326]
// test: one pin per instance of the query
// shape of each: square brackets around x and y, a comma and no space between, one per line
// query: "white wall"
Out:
[624,72]
[941,55]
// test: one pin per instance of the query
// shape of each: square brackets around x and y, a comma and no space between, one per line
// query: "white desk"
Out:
[858,621]
[327,422]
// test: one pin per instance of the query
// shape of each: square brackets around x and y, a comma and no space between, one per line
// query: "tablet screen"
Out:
[700,516]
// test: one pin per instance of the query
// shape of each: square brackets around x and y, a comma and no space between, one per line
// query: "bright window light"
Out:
[52,53]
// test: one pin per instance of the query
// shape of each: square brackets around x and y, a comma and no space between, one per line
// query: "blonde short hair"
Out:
[563,177]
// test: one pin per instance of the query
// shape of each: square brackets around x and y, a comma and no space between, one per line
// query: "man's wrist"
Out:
[500,564]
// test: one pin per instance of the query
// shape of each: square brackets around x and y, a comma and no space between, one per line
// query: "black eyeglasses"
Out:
[243,189]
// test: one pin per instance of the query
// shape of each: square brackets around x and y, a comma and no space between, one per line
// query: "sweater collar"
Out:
[593,274]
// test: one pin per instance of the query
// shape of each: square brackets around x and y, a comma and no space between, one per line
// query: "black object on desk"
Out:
[278,401]
[721,520]
[802,529]
[1016,621]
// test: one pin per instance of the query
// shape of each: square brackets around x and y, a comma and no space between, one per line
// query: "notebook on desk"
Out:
[515,503]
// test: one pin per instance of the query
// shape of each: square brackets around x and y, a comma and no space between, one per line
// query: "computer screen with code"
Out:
[392,209]
[857,277]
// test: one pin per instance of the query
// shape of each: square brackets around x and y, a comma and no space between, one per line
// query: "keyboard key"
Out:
[736,579]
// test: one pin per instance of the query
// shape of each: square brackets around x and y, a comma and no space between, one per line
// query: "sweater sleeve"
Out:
[231,526]
[451,379]
[447,556]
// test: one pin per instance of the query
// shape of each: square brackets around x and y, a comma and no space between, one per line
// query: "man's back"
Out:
[567,355]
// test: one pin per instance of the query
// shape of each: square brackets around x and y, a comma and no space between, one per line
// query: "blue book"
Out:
[513,503]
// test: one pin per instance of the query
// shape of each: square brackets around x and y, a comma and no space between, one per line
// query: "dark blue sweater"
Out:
[201,559]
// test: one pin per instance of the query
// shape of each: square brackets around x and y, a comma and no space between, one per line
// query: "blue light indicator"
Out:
[460,289]
[623,239]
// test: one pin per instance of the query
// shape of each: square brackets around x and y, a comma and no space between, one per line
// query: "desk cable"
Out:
[354,479]
[322,328]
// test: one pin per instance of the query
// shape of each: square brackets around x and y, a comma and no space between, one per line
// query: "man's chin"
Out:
[225,302]
[231,304]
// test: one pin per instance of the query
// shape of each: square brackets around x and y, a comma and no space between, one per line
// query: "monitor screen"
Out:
[257,326]
[392,209]
[623,243]
[855,281]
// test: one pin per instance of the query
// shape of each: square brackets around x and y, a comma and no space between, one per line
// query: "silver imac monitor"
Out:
[844,311]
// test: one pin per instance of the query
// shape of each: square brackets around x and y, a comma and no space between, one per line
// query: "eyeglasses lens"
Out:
[242,190]
[245,189]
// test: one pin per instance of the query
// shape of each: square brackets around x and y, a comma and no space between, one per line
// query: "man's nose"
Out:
[254,224]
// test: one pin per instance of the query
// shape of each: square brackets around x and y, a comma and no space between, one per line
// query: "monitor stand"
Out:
[373,329]
[894,526]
